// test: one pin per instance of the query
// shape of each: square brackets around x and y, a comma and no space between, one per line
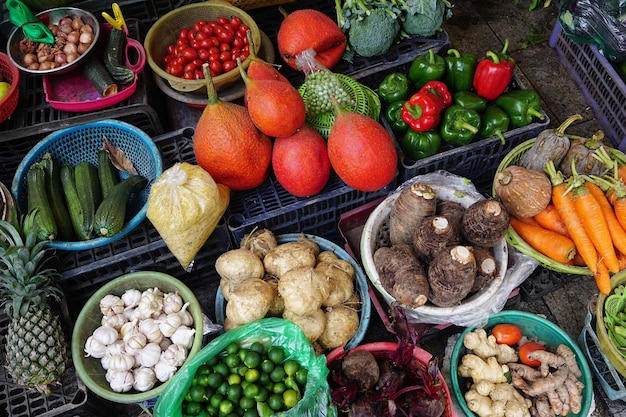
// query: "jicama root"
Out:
[291,255]
[260,242]
[485,346]
[340,274]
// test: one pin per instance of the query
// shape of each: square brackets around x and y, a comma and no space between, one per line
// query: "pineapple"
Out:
[36,349]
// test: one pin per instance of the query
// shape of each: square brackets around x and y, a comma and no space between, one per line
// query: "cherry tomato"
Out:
[208,29]
[226,36]
[205,43]
[526,349]
[198,75]
[176,70]
[228,65]
[198,25]
[201,35]
[508,334]
[183,34]
[222,20]
[225,56]
[191,67]
[215,67]
[189,53]
[214,50]
[188,75]
[237,42]
[235,22]
[171,49]
[203,54]
[168,58]
[224,47]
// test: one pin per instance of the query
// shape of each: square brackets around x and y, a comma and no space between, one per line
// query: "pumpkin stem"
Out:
[561,129]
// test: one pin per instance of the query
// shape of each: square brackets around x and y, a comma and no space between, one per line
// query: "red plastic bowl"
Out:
[11,74]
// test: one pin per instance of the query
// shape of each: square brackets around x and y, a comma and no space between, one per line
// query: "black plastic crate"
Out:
[541,282]
[34,116]
[83,272]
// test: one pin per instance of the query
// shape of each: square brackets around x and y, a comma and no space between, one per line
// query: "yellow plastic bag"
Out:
[185,205]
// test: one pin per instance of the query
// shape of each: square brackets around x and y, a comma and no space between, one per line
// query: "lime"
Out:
[267,366]
[234,392]
[196,393]
[213,361]
[262,396]
[193,408]
[251,413]
[246,403]
[226,407]
[242,353]
[203,380]
[251,391]
[215,400]
[214,380]
[301,376]
[275,402]
[232,361]
[232,348]
[277,374]
[252,375]
[279,388]
[290,398]
[276,354]
[204,369]
[210,410]
[234,379]
[252,359]
[223,388]
[291,367]
[257,347]
[221,369]
[264,379]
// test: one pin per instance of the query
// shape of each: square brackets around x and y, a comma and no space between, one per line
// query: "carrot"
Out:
[564,203]
[603,278]
[618,235]
[527,220]
[553,245]
[550,218]
[621,258]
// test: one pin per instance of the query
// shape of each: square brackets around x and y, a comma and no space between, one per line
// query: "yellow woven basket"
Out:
[165,31]
[257,4]
[512,158]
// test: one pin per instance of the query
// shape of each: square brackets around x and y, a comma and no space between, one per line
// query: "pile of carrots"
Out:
[584,224]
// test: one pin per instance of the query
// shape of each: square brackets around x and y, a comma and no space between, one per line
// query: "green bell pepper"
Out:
[459,125]
[426,67]
[460,69]
[522,106]
[494,122]
[393,115]
[419,145]
[469,100]
[394,87]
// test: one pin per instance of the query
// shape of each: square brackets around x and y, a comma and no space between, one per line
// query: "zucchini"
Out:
[55,197]
[107,173]
[38,201]
[74,206]
[111,214]
[114,57]
[99,77]
[88,189]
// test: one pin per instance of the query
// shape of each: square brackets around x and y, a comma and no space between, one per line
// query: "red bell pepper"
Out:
[422,111]
[494,73]
[440,89]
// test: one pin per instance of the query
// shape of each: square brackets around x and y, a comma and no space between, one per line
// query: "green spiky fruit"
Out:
[36,348]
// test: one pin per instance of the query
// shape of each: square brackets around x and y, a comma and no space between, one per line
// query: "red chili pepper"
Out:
[439,89]
[422,111]
[494,73]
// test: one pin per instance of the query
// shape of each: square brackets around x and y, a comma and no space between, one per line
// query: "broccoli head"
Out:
[374,33]
[425,20]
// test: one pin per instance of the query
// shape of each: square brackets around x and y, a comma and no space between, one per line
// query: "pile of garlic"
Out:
[144,338]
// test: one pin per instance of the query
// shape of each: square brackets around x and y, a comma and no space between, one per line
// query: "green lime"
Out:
[232,360]
[262,396]
[204,369]
[221,369]
[226,407]
[252,375]
[210,410]
[215,400]
[234,392]
[276,354]
[246,403]
[251,391]
[223,388]
[257,347]
[290,398]
[193,408]
[214,380]
[232,348]
[277,374]
[251,413]
[252,359]
[279,388]
[291,367]
[241,370]
[267,366]
[275,402]
[264,379]
[301,376]
[234,379]
[213,361]
[203,379]
[242,353]
[196,393]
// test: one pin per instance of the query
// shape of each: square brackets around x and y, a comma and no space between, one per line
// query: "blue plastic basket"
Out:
[81,143]
[361,286]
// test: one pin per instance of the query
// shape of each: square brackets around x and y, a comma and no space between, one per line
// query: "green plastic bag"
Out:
[316,399]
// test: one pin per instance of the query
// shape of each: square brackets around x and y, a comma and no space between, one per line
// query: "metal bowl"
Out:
[53,16]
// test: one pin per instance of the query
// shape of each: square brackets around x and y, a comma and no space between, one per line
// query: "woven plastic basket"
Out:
[81,143]
[165,32]
[516,241]
[257,4]
[382,350]
[10,74]
[361,286]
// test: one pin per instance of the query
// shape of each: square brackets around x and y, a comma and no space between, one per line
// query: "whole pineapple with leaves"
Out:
[36,349]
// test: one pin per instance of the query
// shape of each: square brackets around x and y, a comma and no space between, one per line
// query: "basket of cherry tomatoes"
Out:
[211,32]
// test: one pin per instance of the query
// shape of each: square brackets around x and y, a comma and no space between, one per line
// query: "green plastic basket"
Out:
[366,102]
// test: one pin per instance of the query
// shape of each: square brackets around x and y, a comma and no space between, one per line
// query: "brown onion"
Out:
[46,65]
[60,58]
[70,48]
[65,28]
[77,23]
[33,66]
[86,37]
[86,28]
[73,36]
[71,57]
[65,21]
[82,47]
[30,59]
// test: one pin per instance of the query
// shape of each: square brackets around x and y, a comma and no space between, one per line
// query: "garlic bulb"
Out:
[116,347]
[134,342]
[187,318]
[105,361]
[121,362]
[120,381]
[131,297]
[114,320]
[163,370]
[94,349]
[150,304]
[184,336]
[175,355]
[149,355]
[144,379]
[105,335]
[150,328]
[111,304]
[170,323]
[129,327]
[172,303]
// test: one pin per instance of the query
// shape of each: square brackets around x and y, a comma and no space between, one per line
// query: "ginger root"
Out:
[477,368]
[488,399]
[485,346]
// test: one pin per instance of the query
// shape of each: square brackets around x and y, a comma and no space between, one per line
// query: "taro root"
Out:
[402,275]
[433,234]
[524,192]
[485,222]
[486,267]
[413,204]
[451,276]
[453,211]
[361,367]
